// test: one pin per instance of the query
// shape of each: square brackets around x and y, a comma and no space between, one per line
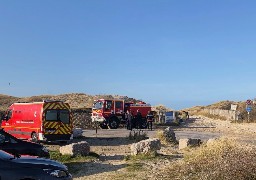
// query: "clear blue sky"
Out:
[178,53]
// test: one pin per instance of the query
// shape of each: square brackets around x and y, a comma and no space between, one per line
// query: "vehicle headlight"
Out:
[56,173]
[45,149]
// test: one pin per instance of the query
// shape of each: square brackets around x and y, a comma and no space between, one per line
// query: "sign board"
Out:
[249,102]
[233,107]
[248,108]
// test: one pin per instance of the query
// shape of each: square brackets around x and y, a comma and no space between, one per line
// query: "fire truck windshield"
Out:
[98,105]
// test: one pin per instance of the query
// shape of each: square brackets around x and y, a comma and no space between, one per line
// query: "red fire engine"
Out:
[110,113]
[39,121]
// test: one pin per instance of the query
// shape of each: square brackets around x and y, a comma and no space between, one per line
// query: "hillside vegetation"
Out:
[226,105]
[75,100]
[81,101]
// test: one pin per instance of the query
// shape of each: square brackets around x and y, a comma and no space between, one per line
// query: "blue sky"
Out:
[178,53]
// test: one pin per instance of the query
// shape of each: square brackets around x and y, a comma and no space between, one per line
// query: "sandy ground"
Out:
[113,146]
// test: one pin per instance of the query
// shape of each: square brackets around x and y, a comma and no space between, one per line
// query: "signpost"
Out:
[248,108]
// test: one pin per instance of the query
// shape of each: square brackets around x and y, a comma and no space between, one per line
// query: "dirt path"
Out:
[113,146]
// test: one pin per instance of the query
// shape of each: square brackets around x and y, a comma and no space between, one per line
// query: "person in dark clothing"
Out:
[129,124]
[187,115]
[139,119]
[150,120]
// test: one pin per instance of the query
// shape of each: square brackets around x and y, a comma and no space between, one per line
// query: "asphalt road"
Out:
[112,133]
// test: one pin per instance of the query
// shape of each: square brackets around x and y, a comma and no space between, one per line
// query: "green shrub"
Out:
[56,155]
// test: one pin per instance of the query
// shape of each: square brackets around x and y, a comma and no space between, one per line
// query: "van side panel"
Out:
[28,118]
[25,120]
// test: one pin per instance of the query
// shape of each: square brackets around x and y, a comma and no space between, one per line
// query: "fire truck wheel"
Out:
[113,123]
[34,137]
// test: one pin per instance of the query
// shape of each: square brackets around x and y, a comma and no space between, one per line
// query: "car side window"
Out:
[108,105]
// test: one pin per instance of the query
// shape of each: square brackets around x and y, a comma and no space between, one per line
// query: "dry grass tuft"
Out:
[137,136]
[161,137]
[221,159]
[164,138]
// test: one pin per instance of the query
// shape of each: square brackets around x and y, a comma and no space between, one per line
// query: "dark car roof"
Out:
[12,167]
[32,160]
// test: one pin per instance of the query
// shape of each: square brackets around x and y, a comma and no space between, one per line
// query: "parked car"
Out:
[31,168]
[16,146]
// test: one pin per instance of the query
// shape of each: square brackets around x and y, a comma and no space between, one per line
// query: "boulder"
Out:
[146,146]
[183,143]
[82,148]
[77,132]
[170,135]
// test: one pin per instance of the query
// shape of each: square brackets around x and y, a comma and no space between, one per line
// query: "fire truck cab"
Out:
[111,113]
[39,121]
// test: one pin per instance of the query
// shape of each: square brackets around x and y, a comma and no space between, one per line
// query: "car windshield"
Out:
[98,105]
[5,155]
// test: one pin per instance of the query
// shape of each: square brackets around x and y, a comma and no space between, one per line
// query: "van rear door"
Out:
[57,124]
[57,121]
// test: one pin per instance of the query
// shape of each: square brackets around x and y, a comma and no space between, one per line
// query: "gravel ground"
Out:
[114,145]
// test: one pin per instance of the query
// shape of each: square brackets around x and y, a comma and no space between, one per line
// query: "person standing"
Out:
[187,115]
[139,119]
[150,120]
[129,120]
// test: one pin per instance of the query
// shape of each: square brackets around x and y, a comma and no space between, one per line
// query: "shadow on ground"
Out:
[107,141]
[81,169]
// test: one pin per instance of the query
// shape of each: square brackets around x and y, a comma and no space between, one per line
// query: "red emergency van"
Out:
[39,121]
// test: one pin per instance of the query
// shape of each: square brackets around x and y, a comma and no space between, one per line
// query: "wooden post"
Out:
[96,124]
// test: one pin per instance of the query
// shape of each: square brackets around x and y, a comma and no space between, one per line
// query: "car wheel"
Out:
[34,137]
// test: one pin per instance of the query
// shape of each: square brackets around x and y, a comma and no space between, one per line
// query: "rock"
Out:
[146,146]
[170,135]
[77,132]
[183,143]
[82,148]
